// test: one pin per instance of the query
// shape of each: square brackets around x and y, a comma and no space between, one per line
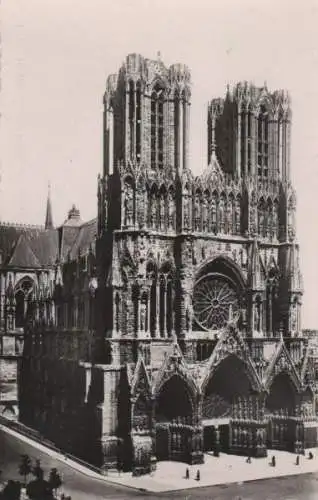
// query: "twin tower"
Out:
[157,220]
[147,116]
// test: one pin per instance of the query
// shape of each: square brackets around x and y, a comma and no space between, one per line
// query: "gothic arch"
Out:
[229,379]
[218,294]
[227,265]
[282,363]
[281,394]
[264,105]
[158,84]
[22,293]
[185,383]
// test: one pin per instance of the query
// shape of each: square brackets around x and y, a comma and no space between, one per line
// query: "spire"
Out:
[49,217]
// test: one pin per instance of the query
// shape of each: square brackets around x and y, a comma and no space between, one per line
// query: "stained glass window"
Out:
[215,301]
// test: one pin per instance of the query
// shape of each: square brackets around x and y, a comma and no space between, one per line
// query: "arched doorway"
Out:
[228,397]
[280,408]
[174,418]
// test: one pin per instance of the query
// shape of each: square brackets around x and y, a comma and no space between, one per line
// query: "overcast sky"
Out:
[56,55]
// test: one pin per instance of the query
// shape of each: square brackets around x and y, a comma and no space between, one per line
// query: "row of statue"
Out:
[247,409]
[247,437]
[215,215]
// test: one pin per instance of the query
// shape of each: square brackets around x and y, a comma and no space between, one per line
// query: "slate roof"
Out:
[31,247]
[23,256]
[9,237]
[85,239]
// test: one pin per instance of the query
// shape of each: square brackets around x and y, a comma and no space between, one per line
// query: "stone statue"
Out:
[294,318]
[171,210]
[257,318]
[142,324]
[162,212]
[128,204]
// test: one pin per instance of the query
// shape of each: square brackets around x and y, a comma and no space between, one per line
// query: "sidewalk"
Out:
[170,476]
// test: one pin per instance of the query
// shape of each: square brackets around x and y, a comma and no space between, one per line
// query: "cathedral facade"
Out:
[175,326]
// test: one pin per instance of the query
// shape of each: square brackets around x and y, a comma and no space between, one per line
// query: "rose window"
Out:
[215,301]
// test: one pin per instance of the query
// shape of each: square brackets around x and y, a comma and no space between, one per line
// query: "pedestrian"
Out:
[310,456]
[198,476]
[273,461]
[249,460]
[187,473]
[297,460]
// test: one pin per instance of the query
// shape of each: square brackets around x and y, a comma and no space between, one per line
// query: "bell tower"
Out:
[146,115]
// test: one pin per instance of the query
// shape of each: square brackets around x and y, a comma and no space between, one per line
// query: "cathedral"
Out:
[170,326]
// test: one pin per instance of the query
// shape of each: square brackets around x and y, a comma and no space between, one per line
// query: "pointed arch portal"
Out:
[226,394]
[174,409]
[280,405]
[228,382]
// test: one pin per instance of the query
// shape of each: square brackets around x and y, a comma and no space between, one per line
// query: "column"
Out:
[53,316]
[238,145]
[114,313]
[149,311]
[270,311]
[284,148]
[180,132]
[138,317]
[110,141]
[134,127]
[186,110]
[157,332]
[280,147]
[246,143]
[173,330]
[127,142]
[253,146]
[165,308]
[287,159]
[75,325]
[2,303]
[273,147]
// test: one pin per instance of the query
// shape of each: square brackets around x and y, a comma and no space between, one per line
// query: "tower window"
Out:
[243,142]
[249,140]
[262,148]
[246,138]
[131,104]
[160,131]
[153,131]
[138,120]
[176,128]
[157,112]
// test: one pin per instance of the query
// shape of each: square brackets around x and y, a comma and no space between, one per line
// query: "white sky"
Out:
[56,55]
